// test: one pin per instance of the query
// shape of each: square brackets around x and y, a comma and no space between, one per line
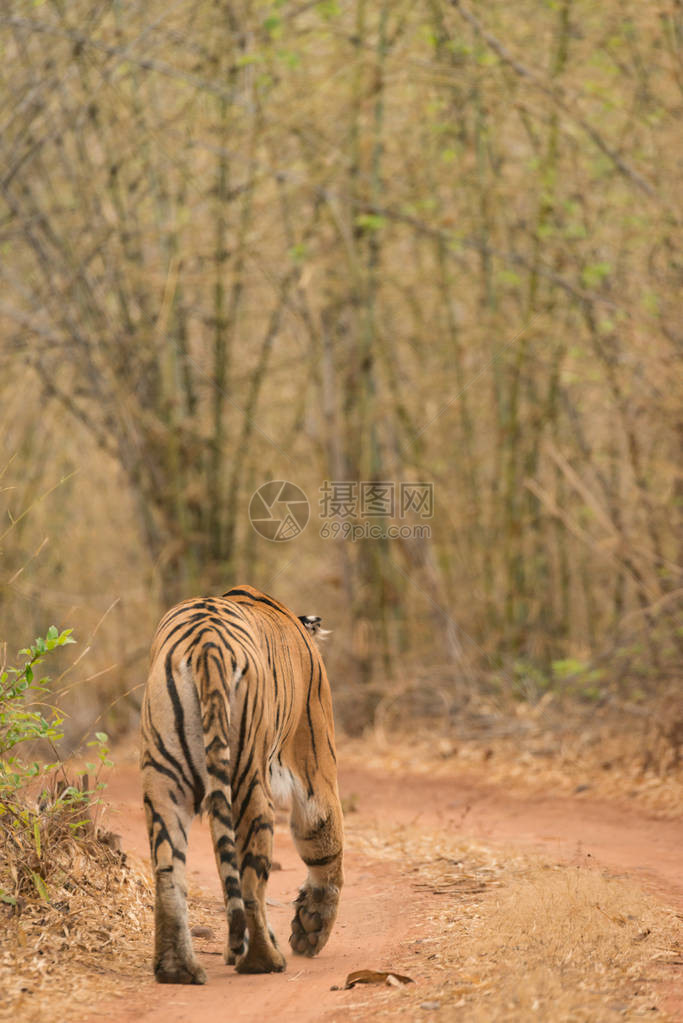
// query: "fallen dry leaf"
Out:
[376,977]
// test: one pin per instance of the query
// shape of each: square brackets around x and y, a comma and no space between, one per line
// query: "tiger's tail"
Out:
[214,683]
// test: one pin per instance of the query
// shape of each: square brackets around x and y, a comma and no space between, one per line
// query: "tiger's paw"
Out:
[314,913]
[267,959]
[172,970]
[231,955]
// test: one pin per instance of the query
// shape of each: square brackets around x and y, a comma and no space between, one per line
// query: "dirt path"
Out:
[381,913]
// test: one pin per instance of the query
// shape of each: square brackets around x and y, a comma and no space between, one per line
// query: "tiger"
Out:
[236,717]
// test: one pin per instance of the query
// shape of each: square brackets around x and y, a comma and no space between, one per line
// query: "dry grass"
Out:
[506,936]
[514,938]
[562,943]
[56,955]
[616,754]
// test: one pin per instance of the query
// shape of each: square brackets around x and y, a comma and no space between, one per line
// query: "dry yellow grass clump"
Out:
[55,955]
[514,938]
[566,944]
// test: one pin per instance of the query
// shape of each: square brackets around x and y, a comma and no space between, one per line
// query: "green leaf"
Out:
[298,252]
[249,58]
[40,886]
[328,8]
[594,273]
[290,57]
[370,221]
[650,302]
[273,25]
[75,825]
[568,667]
[509,277]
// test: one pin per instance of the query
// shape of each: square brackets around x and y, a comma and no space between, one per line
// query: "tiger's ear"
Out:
[313,624]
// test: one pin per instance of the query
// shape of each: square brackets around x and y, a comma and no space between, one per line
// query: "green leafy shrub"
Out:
[42,812]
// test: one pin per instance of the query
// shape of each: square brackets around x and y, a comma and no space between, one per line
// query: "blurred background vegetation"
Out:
[426,240]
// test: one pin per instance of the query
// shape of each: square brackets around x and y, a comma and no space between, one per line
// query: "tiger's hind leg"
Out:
[218,805]
[169,816]
[317,829]
[254,830]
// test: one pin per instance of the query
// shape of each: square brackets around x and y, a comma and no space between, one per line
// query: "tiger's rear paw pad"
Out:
[267,961]
[172,971]
[315,910]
